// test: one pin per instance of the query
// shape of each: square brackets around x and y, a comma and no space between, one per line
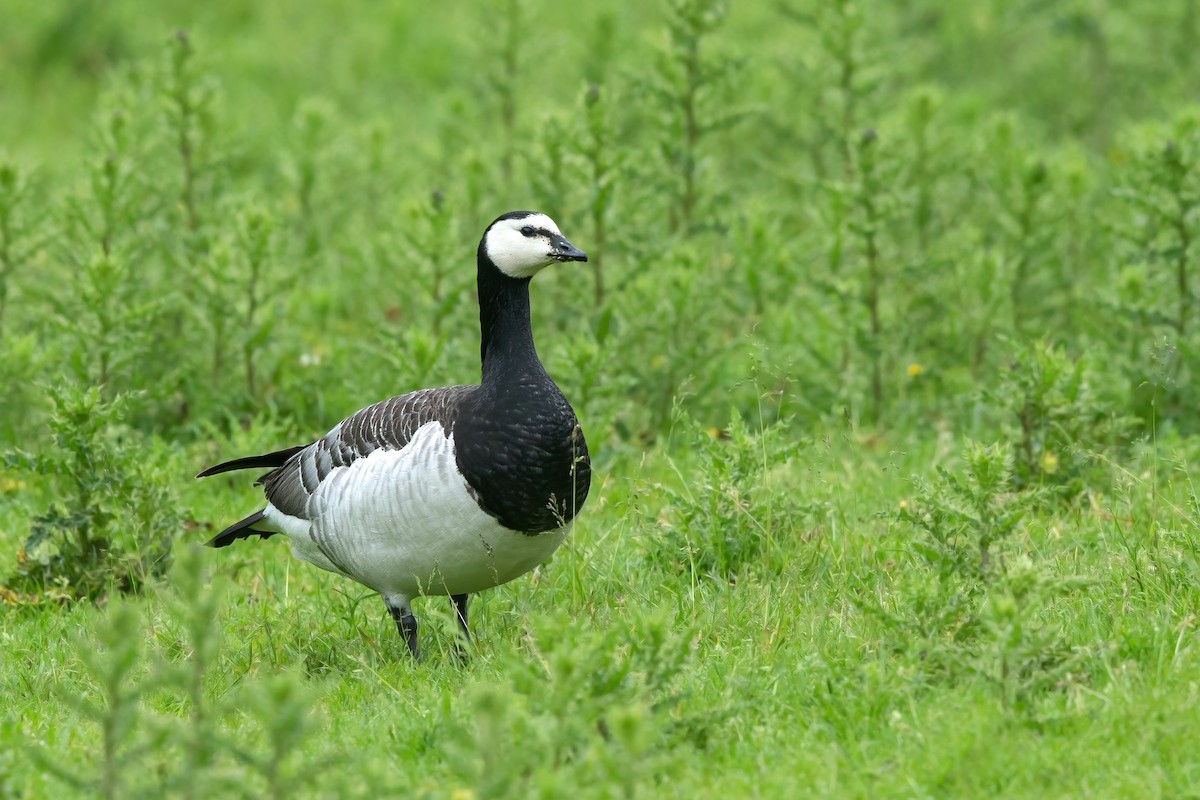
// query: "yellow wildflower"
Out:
[914,369]
[1049,463]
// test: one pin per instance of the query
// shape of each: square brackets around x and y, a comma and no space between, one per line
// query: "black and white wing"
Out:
[388,425]
[298,471]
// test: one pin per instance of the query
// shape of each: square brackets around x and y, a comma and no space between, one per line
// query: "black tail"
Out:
[242,529]
[269,460]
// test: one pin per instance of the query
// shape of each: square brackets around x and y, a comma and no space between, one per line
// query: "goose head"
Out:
[522,243]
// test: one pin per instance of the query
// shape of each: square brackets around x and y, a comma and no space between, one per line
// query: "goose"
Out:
[446,491]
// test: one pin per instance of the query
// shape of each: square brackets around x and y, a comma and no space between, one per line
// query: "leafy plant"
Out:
[689,83]
[17,231]
[1056,419]
[254,244]
[965,516]
[1021,198]
[503,82]
[867,227]
[839,76]
[188,103]
[280,705]
[1024,650]
[433,227]
[725,522]
[194,605]
[134,742]
[591,709]
[114,668]
[972,610]
[604,169]
[113,520]
[1164,191]
[304,165]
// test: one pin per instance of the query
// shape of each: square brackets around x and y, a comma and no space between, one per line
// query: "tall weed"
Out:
[727,518]
[114,516]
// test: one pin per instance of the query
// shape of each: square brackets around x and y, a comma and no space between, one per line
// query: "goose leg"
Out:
[406,623]
[460,611]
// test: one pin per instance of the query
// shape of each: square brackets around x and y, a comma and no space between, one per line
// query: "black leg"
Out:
[406,624]
[460,611]
[408,629]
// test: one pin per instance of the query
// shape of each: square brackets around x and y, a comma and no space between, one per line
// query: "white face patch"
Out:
[517,254]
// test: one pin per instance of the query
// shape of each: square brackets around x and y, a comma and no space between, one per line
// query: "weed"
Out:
[965,516]
[603,174]
[551,160]
[868,231]
[113,520]
[433,227]
[194,606]
[1024,650]
[583,703]
[1056,418]
[127,677]
[503,82]
[975,612]
[280,705]
[113,202]
[1021,191]
[311,132]
[724,524]
[17,231]
[114,669]
[923,133]
[254,242]
[1165,191]
[188,104]
[689,84]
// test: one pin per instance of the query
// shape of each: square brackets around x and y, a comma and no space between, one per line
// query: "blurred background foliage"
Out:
[879,201]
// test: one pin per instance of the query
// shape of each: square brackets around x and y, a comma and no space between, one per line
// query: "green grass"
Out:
[886,368]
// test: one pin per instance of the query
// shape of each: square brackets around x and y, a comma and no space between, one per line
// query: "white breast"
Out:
[404,522]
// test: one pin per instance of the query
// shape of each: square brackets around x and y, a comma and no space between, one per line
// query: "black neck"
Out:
[506,348]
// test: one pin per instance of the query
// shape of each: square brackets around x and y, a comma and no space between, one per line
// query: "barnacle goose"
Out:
[442,491]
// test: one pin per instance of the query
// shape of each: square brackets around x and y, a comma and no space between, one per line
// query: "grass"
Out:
[781,684]
[885,367]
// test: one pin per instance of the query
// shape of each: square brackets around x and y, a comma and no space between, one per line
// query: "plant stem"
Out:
[437,204]
[596,153]
[510,70]
[184,125]
[598,234]
[7,265]
[691,127]
[251,309]
[10,191]
[843,51]
[846,83]
[1025,223]
[1183,208]
[867,190]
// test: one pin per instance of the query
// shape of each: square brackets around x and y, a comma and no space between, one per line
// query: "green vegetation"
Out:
[885,357]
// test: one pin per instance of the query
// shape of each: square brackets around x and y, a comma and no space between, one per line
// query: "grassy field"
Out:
[884,354]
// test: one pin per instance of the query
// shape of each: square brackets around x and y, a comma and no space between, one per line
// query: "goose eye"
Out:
[527,230]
